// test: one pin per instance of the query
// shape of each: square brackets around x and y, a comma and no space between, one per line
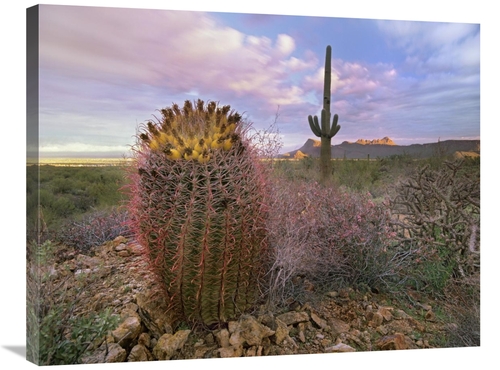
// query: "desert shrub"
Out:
[329,236]
[355,174]
[55,335]
[63,192]
[93,229]
[436,214]
[463,307]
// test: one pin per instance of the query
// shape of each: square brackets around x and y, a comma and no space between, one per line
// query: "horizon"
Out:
[414,81]
[122,156]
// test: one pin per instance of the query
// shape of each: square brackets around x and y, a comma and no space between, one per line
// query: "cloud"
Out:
[285,45]
[179,51]
[105,61]
[110,68]
[435,47]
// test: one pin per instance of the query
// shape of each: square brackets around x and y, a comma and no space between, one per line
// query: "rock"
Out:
[236,340]
[136,249]
[341,347]
[222,337]
[392,342]
[169,344]
[332,294]
[145,340]
[338,326]
[230,352]
[139,353]
[232,326]
[254,351]
[424,306]
[119,240]
[293,317]
[400,314]
[383,141]
[108,353]
[280,333]
[322,324]
[251,331]
[209,339]
[302,336]
[127,331]
[201,351]
[129,312]
[86,261]
[430,316]
[386,313]
[308,286]
[416,324]
[376,320]
[344,293]
[124,253]
[153,316]
[121,247]
[382,330]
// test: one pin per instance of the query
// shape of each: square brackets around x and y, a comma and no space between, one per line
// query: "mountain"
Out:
[384,141]
[380,148]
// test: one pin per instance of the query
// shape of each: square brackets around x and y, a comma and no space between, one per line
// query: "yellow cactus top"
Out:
[193,132]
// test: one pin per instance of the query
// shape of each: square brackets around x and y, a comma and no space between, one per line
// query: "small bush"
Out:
[55,334]
[437,215]
[331,237]
[94,229]
[463,303]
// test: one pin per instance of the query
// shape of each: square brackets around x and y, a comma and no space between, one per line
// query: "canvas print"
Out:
[209,185]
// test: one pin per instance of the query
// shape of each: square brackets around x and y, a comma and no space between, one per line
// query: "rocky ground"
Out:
[113,276]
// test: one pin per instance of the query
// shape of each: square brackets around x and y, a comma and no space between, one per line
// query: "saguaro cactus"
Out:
[197,205]
[323,129]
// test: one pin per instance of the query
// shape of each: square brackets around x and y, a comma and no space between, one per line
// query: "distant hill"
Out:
[384,141]
[380,148]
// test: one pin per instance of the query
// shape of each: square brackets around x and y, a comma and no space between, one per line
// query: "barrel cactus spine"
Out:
[198,208]
[323,129]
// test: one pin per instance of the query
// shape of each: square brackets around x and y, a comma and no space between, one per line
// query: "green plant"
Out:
[55,334]
[323,129]
[197,204]
[60,346]
[437,216]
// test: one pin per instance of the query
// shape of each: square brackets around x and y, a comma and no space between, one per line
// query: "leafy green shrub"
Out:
[55,334]
[357,175]
[58,193]
[60,346]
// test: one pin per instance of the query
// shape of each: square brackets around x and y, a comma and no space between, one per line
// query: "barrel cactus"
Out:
[197,202]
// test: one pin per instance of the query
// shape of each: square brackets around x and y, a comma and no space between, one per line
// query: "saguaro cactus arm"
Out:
[335,128]
[324,130]
[314,124]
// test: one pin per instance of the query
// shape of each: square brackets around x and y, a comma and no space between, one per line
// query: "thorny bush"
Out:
[437,215]
[330,237]
[94,229]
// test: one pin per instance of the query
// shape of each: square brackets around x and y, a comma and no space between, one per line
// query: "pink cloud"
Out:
[179,51]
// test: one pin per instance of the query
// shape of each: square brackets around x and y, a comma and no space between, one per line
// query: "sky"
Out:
[104,71]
